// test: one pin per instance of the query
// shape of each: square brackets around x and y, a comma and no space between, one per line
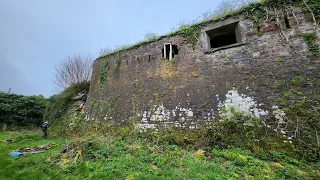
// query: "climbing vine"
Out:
[277,10]
[191,33]
[117,63]
[312,44]
[103,73]
[259,12]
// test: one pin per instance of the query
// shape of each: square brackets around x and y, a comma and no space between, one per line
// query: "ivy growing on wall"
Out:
[191,33]
[259,12]
[117,63]
[103,73]
[268,10]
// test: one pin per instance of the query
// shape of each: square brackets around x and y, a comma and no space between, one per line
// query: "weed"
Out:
[312,44]
[280,60]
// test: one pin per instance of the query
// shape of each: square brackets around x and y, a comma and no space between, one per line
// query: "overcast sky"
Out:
[36,35]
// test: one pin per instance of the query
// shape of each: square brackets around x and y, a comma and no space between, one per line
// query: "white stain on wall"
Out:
[240,103]
[234,102]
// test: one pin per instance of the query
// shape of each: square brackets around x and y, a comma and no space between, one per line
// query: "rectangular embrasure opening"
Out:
[223,36]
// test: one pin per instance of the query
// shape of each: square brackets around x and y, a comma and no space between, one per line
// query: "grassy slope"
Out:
[136,159]
[29,167]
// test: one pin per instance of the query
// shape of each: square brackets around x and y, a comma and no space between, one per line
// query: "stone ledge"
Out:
[224,47]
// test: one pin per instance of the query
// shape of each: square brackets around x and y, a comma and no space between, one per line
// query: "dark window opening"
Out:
[223,36]
[223,40]
[127,62]
[175,50]
[167,51]
[149,58]
[286,20]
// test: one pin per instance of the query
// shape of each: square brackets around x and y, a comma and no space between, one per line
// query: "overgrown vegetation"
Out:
[29,166]
[58,104]
[149,36]
[240,147]
[258,11]
[303,125]
[116,64]
[311,42]
[103,73]
[191,33]
[19,110]
[228,148]
[122,154]
[239,131]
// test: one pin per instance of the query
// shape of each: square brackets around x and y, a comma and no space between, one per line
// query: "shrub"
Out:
[21,110]
[58,104]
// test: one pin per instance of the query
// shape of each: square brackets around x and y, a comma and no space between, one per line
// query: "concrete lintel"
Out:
[225,22]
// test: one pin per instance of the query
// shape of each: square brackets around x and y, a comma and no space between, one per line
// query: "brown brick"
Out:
[270,27]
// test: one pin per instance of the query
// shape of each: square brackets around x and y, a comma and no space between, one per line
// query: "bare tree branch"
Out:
[73,69]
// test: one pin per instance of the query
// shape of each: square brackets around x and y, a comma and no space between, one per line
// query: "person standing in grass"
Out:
[44,127]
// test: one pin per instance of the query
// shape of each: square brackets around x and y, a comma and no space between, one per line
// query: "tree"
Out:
[74,69]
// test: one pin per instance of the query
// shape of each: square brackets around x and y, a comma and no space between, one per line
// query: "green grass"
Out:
[138,158]
[36,166]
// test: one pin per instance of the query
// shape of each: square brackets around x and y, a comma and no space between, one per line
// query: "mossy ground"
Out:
[138,158]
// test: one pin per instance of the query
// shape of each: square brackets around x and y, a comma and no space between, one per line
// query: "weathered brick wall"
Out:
[190,89]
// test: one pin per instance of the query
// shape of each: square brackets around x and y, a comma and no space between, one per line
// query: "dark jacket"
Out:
[44,126]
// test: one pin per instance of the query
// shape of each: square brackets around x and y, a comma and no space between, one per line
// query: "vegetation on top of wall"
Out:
[277,10]
[258,12]
[21,110]
[311,42]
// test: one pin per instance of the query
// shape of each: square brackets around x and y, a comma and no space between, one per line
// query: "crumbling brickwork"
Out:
[190,89]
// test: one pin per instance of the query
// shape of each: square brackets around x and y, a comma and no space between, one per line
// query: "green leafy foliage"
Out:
[191,33]
[103,73]
[21,110]
[116,64]
[314,5]
[61,102]
[303,118]
[311,42]
[255,11]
